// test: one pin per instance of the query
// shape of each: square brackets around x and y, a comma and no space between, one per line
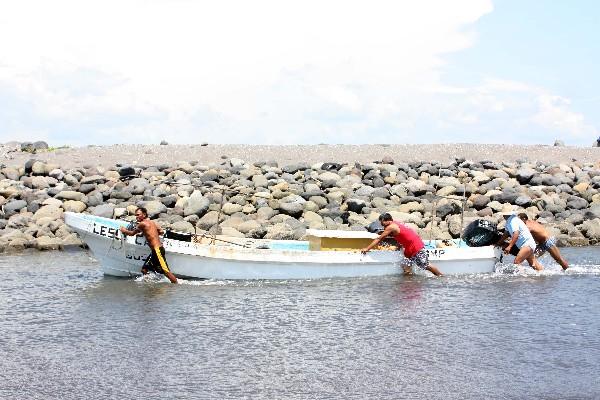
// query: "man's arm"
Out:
[512,242]
[502,239]
[132,232]
[386,232]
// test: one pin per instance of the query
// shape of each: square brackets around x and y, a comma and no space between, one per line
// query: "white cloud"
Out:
[267,71]
[238,71]
[554,114]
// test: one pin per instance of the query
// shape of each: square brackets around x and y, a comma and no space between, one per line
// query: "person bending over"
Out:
[521,237]
[414,248]
[543,239]
[156,261]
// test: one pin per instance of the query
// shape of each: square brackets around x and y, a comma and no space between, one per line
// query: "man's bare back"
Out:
[539,233]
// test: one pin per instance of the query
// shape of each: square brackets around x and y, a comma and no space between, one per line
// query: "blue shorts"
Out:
[547,245]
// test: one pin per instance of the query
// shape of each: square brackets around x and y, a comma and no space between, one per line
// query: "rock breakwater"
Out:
[267,200]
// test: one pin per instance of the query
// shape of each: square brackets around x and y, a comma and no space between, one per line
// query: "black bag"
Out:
[480,233]
[183,237]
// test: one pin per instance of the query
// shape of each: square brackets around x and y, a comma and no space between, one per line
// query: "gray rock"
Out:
[231,232]
[70,180]
[154,208]
[591,230]
[293,168]
[480,201]
[86,188]
[380,192]
[120,195]
[103,210]
[523,201]
[292,209]
[94,198]
[356,205]
[169,201]
[248,226]
[524,175]
[231,208]
[70,195]
[593,212]
[196,205]
[282,231]
[364,191]
[39,182]
[183,226]
[93,179]
[48,243]
[14,206]
[126,171]
[19,221]
[48,211]
[38,168]
[508,195]
[11,173]
[448,209]
[208,220]
[74,206]
[577,203]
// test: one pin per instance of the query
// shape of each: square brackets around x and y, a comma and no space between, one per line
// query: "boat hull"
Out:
[124,256]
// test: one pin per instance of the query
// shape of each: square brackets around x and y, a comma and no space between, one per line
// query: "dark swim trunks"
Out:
[421,260]
[156,261]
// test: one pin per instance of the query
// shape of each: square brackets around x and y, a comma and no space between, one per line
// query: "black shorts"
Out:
[156,261]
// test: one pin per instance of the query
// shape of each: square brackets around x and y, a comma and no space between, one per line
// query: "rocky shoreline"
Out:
[277,200]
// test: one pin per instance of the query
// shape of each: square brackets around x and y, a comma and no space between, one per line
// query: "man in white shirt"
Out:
[521,237]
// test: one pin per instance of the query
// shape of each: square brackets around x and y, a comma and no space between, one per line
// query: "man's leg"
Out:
[165,267]
[555,253]
[147,262]
[526,253]
[434,270]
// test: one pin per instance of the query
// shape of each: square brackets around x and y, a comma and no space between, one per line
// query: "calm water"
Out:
[68,332]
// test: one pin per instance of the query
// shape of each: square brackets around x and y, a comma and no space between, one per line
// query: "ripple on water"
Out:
[68,332]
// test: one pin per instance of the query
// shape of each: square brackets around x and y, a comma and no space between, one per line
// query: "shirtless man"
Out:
[544,241]
[519,236]
[156,261]
[414,248]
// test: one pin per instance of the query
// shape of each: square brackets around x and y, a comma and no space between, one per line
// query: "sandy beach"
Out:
[108,156]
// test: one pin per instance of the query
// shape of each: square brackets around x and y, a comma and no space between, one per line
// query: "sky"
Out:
[299,72]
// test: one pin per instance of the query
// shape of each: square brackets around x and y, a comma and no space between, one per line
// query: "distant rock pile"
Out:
[266,200]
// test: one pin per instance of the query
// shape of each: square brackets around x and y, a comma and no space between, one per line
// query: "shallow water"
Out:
[68,332]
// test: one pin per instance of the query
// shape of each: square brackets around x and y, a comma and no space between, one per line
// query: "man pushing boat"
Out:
[156,261]
[414,248]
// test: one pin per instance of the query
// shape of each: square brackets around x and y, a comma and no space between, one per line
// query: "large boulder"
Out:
[103,210]
[525,174]
[292,209]
[196,205]
[14,206]
[74,206]
[183,226]
[154,208]
[50,211]
[591,230]
[70,195]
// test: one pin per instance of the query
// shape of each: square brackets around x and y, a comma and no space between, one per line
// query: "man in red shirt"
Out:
[414,248]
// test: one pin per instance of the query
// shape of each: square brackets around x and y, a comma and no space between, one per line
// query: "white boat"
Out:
[191,256]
